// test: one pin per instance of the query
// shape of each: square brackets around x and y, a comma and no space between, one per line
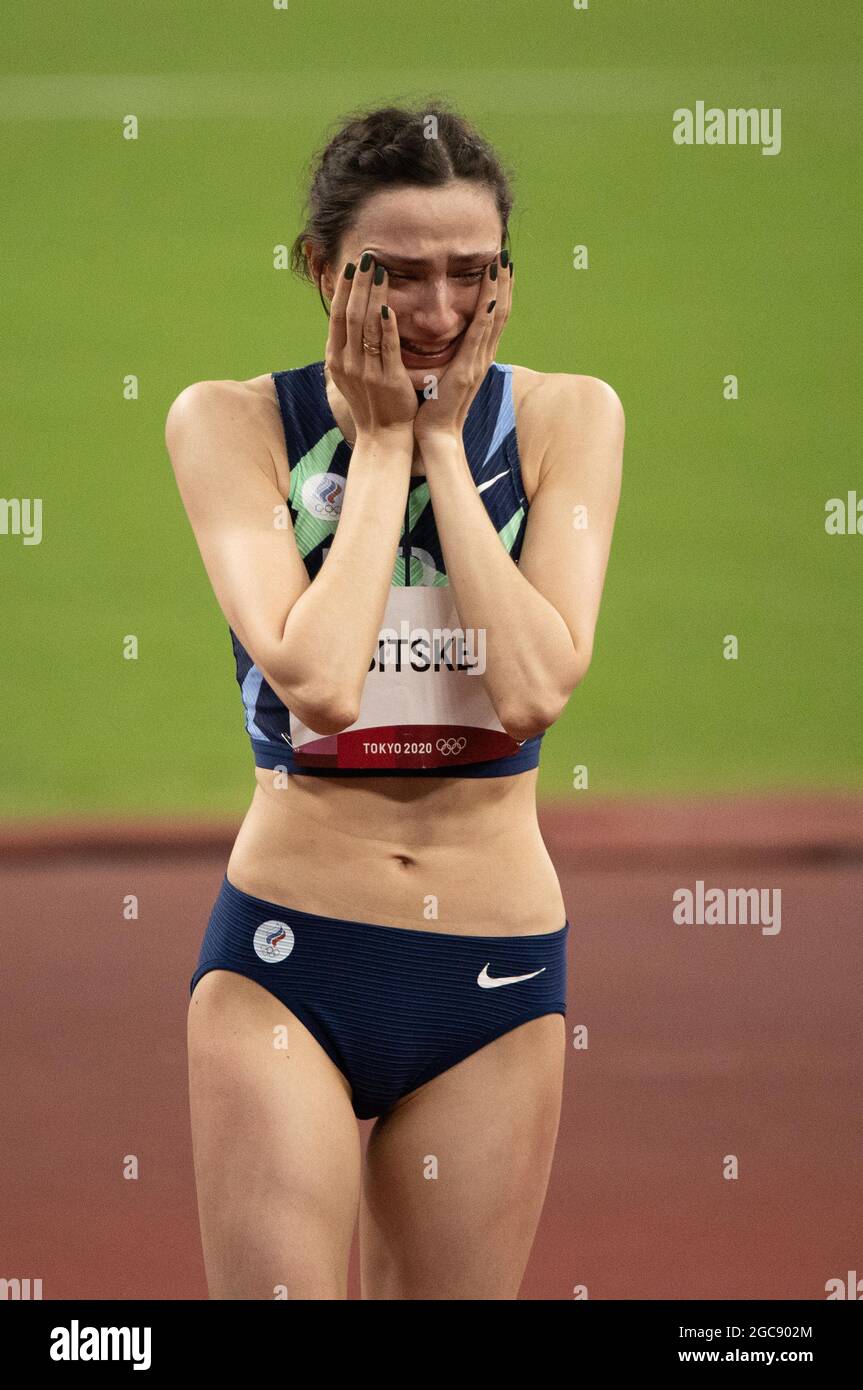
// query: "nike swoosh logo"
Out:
[485,981]
[482,486]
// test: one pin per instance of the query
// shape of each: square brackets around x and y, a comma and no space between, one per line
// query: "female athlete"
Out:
[408,541]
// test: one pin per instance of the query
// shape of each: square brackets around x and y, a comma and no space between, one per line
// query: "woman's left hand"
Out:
[446,414]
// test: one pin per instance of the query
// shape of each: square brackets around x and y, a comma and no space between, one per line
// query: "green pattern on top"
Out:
[509,532]
[311,530]
[418,500]
[417,573]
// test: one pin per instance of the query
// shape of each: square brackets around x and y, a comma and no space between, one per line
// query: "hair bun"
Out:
[369,158]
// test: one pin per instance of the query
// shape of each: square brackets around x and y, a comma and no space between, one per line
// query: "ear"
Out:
[320,271]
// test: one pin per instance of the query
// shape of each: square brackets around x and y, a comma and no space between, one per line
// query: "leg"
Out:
[491,1123]
[276,1147]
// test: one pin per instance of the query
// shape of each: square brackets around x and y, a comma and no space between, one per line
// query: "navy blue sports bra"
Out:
[424,710]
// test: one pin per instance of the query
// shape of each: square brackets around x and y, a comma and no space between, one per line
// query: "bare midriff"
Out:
[450,854]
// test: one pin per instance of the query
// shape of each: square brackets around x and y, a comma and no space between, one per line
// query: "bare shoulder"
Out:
[566,406]
[251,401]
[535,393]
[241,417]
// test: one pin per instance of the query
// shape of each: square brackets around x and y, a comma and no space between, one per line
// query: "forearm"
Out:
[331,630]
[531,664]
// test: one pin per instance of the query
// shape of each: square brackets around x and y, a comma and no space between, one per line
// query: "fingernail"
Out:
[493,275]
[504,257]
[365,260]
[491,306]
[385,311]
[511,267]
[379,275]
[350,270]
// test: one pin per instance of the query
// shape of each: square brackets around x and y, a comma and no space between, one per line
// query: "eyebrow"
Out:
[460,258]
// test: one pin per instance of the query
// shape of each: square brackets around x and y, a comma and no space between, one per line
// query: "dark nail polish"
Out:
[511,267]
[350,270]
[366,260]
[385,311]
[491,306]
[504,257]
[493,271]
[379,275]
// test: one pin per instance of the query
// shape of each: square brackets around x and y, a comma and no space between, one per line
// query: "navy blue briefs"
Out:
[392,1007]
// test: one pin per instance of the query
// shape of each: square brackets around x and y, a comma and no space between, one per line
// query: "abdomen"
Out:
[450,855]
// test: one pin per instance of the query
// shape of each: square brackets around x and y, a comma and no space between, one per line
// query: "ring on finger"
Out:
[371,347]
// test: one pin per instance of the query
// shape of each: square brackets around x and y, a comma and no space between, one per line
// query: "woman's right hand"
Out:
[376,386]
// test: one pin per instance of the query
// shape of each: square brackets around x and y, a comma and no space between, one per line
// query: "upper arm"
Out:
[578,424]
[217,443]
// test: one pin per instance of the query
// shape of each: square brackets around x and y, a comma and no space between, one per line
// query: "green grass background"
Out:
[154,257]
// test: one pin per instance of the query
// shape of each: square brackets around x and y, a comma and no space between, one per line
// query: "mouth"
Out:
[428,352]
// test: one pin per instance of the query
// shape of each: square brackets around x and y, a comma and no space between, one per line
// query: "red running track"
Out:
[703,1041]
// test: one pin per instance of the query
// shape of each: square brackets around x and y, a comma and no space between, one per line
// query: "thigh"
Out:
[456,1174]
[275,1143]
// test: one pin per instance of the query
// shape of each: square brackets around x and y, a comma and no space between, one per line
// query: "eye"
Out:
[470,277]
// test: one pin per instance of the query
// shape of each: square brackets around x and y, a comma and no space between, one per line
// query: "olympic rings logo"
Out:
[450,745]
[322,495]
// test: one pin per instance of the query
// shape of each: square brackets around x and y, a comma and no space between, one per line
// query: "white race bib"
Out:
[424,703]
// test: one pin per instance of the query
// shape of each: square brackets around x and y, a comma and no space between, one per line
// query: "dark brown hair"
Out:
[376,149]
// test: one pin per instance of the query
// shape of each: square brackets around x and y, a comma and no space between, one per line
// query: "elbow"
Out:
[522,724]
[330,723]
[337,718]
[523,729]
[324,714]
[321,710]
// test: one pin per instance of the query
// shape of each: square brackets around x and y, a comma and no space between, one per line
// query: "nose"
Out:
[434,314]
